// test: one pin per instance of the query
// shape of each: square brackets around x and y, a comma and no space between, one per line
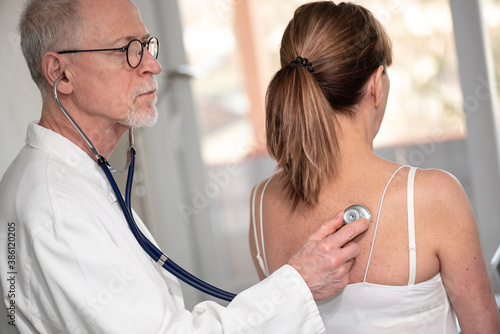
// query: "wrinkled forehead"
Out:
[110,21]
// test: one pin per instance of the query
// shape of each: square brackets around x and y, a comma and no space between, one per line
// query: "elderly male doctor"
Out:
[68,261]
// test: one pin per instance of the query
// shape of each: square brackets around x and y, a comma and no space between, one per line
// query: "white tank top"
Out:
[373,308]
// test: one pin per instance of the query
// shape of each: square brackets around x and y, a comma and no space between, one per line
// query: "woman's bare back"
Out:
[285,230]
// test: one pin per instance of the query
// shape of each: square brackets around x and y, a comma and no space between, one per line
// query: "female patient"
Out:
[421,259]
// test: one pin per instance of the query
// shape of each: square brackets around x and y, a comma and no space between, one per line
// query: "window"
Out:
[233,45]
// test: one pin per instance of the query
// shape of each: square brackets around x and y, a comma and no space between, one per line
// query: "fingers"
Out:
[349,252]
[325,259]
[350,231]
[327,228]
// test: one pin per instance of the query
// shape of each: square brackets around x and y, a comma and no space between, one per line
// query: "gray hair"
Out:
[48,25]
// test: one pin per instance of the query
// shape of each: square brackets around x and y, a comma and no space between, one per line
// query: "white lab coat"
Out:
[77,268]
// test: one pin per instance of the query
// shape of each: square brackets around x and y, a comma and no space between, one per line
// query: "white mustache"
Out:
[150,87]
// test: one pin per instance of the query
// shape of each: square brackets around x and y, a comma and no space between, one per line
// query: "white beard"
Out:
[146,116]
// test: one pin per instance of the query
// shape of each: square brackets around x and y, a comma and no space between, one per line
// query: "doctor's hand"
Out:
[325,259]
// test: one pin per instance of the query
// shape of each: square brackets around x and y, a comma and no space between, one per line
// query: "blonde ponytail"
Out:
[306,145]
[327,53]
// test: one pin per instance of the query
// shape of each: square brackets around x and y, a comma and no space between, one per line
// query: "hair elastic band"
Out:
[299,61]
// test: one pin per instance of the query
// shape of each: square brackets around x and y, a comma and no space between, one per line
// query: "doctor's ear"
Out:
[53,68]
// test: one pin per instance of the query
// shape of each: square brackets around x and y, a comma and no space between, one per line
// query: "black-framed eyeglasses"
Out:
[134,50]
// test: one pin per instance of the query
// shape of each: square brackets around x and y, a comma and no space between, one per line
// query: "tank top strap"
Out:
[261,257]
[378,219]
[412,247]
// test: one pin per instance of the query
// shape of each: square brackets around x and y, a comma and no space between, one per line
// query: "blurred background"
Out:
[198,165]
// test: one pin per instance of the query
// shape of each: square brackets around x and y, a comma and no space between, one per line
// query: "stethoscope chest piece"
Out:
[355,212]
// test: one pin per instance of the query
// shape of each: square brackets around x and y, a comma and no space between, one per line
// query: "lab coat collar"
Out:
[70,155]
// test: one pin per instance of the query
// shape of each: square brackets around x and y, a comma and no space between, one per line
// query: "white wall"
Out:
[20,100]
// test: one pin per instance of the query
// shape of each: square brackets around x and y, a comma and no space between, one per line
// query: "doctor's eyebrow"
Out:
[124,40]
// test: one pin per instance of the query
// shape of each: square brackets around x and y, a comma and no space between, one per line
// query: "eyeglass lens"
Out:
[135,50]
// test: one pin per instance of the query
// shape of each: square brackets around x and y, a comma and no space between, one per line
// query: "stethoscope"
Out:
[156,254]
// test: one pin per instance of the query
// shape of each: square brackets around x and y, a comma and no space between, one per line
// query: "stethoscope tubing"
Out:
[153,251]
[125,204]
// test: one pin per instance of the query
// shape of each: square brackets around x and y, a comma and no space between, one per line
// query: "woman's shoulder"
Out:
[441,194]
[273,198]
[271,185]
[437,183]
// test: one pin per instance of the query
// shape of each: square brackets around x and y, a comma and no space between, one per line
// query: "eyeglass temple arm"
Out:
[93,50]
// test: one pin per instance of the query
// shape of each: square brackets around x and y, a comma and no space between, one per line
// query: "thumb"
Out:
[327,228]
